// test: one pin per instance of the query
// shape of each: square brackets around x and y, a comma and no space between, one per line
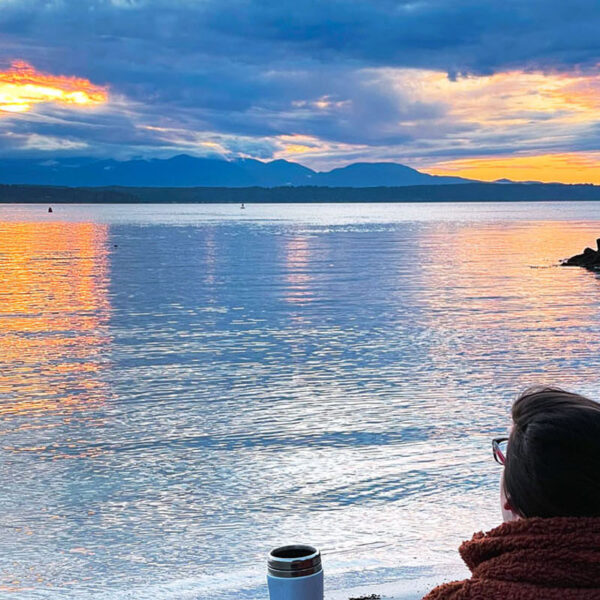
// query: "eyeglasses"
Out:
[499,446]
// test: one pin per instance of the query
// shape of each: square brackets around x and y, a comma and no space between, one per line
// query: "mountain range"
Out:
[190,171]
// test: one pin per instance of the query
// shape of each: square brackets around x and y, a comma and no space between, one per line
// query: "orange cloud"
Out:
[297,149]
[567,167]
[22,86]
[501,99]
[311,148]
[540,116]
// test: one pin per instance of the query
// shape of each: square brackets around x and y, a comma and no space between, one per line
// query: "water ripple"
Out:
[183,387]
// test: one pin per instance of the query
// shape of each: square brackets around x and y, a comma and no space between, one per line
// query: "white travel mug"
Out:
[295,573]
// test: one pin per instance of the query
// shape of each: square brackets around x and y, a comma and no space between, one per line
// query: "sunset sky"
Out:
[478,89]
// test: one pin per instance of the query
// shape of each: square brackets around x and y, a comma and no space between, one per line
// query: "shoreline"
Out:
[457,192]
[401,589]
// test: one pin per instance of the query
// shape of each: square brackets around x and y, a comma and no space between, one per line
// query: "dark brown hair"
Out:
[553,460]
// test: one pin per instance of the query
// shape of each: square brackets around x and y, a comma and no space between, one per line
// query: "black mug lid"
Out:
[294,560]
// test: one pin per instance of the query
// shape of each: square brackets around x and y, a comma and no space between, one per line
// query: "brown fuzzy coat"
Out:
[531,559]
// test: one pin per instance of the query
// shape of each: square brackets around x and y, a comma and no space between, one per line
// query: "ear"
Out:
[509,513]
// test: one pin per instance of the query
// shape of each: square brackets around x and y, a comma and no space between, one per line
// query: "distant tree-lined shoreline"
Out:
[469,192]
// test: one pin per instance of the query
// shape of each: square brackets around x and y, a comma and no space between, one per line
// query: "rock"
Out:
[589,259]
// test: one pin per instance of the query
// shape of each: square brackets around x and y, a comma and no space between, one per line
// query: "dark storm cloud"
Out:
[456,36]
[255,69]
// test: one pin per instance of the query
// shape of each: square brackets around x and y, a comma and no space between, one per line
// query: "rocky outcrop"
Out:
[589,259]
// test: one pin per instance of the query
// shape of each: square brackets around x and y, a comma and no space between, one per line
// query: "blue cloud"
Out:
[254,70]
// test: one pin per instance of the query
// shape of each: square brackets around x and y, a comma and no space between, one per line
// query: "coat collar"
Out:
[555,552]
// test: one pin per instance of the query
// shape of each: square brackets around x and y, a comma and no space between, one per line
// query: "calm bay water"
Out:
[185,386]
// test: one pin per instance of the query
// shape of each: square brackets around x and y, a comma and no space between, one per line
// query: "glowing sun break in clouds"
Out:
[22,86]
[566,167]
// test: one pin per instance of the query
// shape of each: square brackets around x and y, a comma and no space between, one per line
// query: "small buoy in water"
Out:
[115,245]
[49,209]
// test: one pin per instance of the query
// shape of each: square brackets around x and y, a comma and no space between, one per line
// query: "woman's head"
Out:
[552,466]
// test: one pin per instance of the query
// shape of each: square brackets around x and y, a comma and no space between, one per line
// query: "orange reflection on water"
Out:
[500,288]
[53,308]
[298,278]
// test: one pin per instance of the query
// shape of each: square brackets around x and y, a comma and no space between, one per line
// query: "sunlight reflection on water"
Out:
[183,386]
